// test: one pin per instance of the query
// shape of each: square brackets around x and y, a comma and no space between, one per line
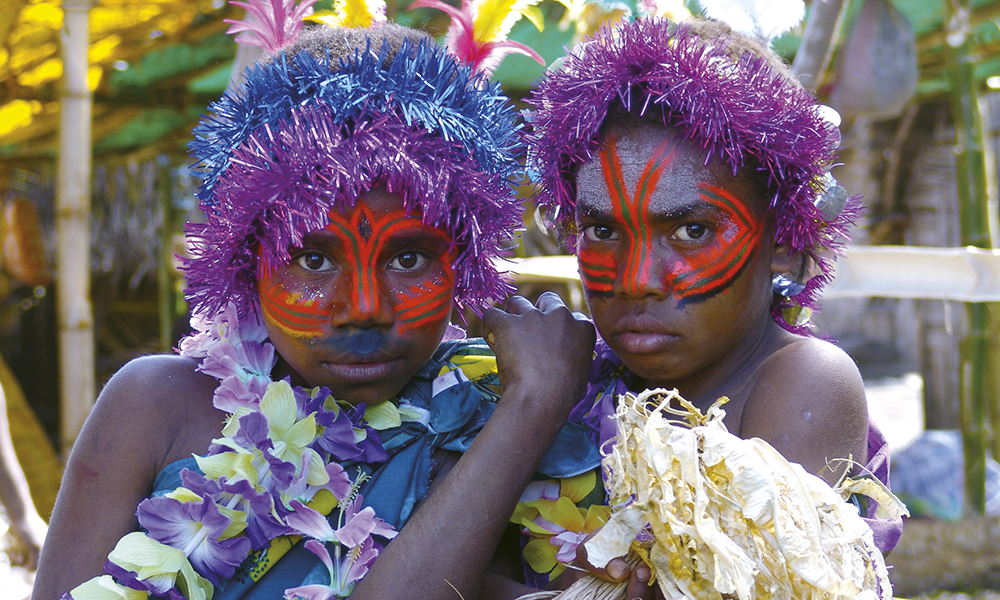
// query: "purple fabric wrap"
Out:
[886,531]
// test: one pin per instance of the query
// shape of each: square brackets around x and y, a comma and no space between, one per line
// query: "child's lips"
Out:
[360,372]
[643,334]
[644,342]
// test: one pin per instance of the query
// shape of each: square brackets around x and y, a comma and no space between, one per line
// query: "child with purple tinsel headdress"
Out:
[689,172]
[356,188]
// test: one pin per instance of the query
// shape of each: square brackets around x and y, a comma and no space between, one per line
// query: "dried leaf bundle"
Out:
[715,516]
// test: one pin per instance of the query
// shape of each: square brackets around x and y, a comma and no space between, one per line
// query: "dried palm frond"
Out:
[714,515]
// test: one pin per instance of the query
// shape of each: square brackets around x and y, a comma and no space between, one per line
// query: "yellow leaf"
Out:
[237,522]
[234,466]
[597,516]
[523,512]
[301,434]
[540,555]
[564,513]
[577,488]
[324,501]
[105,588]
[383,415]
[182,494]
[278,405]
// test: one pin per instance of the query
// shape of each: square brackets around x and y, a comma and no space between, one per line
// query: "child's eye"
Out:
[408,261]
[690,232]
[314,262]
[600,233]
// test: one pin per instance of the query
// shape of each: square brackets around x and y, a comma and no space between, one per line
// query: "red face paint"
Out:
[714,267]
[364,257]
[690,271]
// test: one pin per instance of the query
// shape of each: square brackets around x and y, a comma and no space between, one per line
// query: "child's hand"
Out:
[616,571]
[545,350]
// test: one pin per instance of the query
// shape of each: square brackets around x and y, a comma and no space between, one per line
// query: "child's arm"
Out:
[444,551]
[137,425]
[808,401]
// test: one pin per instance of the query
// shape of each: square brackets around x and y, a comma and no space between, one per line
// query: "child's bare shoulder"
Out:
[161,400]
[808,400]
[804,364]
[159,382]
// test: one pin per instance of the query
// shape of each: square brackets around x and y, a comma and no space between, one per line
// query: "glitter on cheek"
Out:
[297,314]
[427,302]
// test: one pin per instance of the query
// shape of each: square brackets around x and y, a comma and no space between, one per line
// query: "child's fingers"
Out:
[550,301]
[638,585]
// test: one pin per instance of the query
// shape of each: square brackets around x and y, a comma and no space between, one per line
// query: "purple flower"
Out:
[360,524]
[131,580]
[371,446]
[309,521]
[340,482]
[311,592]
[243,359]
[358,562]
[337,436]
[157,586]
[262,525]
[234,393]
[195,528]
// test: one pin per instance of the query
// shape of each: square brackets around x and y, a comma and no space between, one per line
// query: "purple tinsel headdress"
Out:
[733,108]
[304,136]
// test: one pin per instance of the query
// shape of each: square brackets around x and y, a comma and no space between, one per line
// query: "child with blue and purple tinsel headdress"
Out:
[357,186]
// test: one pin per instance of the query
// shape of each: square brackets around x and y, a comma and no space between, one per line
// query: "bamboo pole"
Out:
[75,313]
[818,41]
[970,164]
[165,266]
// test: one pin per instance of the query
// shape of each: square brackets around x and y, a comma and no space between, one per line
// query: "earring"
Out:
[793,282]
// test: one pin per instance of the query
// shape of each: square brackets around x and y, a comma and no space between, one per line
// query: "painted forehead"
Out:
[681,171]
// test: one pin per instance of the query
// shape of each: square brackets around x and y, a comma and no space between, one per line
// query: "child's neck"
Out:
[732,373]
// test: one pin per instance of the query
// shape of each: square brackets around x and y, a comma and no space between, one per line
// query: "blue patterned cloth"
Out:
[455,393]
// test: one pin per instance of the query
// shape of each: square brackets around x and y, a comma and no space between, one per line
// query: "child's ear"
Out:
[784,259]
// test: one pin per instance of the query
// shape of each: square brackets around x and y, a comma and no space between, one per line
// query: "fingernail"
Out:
[642,574]
[616,570]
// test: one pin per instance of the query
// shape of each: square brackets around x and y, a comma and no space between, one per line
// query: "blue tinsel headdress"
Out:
[733,108]
[305,135]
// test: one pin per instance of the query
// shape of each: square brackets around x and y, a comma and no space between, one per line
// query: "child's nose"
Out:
[366,303]
[642,275]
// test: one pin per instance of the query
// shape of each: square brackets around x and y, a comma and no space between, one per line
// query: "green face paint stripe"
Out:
[353,250]
[276,311]
[648,182]
[440,305]
[738,208]
[621,205]
[733,258]
[722,276]
[427,301]
[597,276]
[390,224]
[364,255]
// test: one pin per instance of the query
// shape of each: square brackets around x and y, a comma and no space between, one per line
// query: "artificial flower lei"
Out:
[739,110]
[273,472]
